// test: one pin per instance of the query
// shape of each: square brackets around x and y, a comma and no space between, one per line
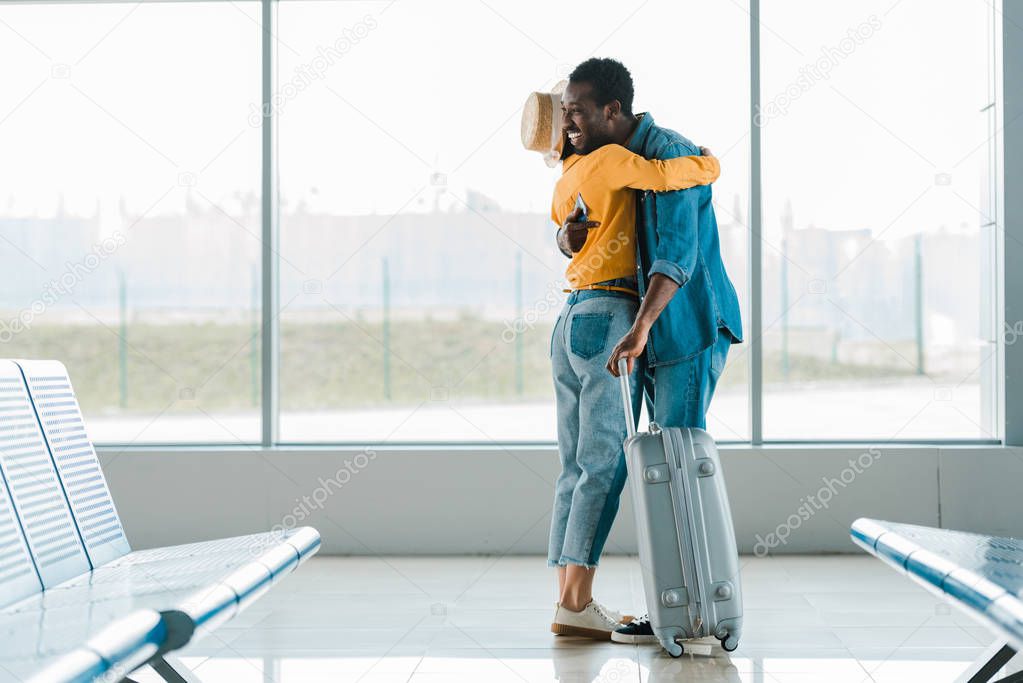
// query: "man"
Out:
[686,320]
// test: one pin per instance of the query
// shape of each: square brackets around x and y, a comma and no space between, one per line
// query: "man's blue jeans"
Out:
[679,394]
[591,423]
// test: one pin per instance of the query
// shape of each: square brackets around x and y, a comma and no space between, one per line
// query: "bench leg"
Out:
[989,664]
[173,671]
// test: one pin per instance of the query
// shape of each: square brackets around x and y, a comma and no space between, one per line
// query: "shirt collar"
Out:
[638,137]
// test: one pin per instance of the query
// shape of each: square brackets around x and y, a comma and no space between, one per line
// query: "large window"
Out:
[417,276]
[877,262]
[129,216]
[420,280]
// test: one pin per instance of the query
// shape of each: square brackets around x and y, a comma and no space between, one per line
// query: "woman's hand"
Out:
[572,235]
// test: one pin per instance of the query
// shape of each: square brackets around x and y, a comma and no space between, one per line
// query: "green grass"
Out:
[210,366]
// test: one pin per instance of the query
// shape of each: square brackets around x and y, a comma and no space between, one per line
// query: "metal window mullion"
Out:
[270,235]
[755,268]
[995,396]
[1009,213]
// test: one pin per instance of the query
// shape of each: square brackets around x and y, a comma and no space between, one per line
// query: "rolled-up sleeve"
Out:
[678,236]
[669,270]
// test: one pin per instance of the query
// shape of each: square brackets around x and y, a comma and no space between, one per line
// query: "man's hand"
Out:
[572,235]
[630,346]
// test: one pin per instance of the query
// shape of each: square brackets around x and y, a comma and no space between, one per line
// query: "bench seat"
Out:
[982,575]
[76,603]
[49,628]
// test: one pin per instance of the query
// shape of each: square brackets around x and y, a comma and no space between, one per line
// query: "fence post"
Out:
[253,354]
[918,302]
[519,373]
[785,307]
[122,346]
[387,329]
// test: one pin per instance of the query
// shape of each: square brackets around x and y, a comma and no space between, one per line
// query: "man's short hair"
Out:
[609,79]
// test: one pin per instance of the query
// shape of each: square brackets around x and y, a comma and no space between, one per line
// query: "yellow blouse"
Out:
[606,179]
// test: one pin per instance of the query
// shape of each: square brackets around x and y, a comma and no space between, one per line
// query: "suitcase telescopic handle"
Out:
[623,378]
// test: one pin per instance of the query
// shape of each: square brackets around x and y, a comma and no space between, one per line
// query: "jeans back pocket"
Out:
[588,335]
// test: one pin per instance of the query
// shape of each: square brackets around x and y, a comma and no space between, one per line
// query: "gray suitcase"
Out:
[684,529]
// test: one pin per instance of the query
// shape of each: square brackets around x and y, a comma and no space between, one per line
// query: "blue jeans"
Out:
[591,423]
[686,387]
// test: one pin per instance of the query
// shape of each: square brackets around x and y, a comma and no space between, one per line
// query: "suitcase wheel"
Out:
[729,643]
[674,649]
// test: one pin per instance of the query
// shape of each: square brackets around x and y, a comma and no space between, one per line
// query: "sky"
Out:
[420,102]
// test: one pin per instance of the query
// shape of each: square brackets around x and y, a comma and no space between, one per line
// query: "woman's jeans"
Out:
[591,424]
[591,421]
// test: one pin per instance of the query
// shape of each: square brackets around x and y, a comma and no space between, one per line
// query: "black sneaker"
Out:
[636,632]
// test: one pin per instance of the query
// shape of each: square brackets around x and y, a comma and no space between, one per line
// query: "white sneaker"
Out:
[594,621]
[616,615]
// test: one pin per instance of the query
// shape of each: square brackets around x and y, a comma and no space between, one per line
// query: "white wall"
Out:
[495,501]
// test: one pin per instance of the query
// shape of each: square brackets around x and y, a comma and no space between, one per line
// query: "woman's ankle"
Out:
[575,604]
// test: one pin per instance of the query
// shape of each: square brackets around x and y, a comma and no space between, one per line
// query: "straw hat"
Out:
[541,124]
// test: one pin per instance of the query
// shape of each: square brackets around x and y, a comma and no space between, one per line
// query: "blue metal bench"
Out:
[983,575]
[76,603]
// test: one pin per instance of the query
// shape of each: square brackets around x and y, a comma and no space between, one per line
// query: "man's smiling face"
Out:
[586,123]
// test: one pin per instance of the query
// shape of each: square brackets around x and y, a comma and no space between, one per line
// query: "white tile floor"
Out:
[375,620]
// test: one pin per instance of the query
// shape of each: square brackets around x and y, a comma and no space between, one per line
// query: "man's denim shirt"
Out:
[677,236]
